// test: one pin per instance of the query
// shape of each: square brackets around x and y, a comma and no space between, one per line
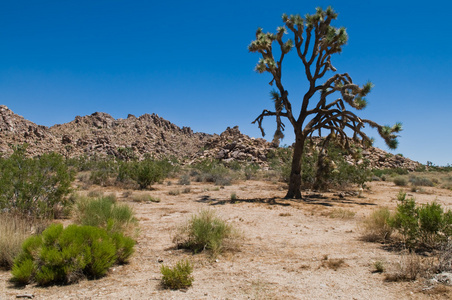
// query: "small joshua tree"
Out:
[315,41]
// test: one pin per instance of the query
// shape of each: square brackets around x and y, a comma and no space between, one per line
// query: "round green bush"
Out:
[65,255]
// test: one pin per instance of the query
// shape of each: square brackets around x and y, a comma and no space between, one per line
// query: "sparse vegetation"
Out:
[379,266]
[408,269]
[336,171]
[145,198]
[214,171]
[109,171]
[14,230]
[184,179]
[425,226]
[376,227]
[178,277]
[332,263]
[206,231]
[400,181]
[174,192]
[420,181]
[106,213]
[233,196]
[340,213]
[285,214]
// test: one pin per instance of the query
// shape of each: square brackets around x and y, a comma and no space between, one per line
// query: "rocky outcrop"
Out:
[380,159]
[148,134]
[136,137]
[233,145]
[16,130]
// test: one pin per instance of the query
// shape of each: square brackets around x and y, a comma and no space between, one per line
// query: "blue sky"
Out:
[188,62]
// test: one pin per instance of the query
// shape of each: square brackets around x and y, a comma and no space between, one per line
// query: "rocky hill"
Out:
[101,134]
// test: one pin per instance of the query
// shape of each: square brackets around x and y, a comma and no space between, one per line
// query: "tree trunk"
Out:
[294,191]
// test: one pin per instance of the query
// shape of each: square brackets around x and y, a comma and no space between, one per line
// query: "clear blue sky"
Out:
[188,62]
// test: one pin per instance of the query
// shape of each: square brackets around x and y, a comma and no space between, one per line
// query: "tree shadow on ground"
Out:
[320,199]
[269,201]
[313,199]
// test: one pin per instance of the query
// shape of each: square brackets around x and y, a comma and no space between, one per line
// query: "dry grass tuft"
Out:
[13,231]
[333,263]
[285,214]
[409,268]
[376,228]
[340,213]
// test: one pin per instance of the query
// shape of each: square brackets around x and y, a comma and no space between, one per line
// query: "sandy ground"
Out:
[283,254]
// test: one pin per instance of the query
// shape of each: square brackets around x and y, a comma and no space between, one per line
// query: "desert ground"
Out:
[288,249]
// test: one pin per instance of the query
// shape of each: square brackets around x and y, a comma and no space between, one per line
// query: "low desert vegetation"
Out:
[400,181]
[426,226]
[332,263]
[376,227]
[341,213]
[379,266]
[412,229]
[209,170]
[206,231]
[66,255]
[35,187]
[408,269]
[110,171]
[329,172]
[145,198]
[14,230]
[57,255]
[178,277]
[104,212]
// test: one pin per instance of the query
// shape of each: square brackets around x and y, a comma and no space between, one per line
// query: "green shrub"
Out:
[406,219]
[65,255]
[147,172]
[106,213]
[427,225]
[205,231]
[431,223]
[35,187]
[400,181]
[124,247]
[178,277]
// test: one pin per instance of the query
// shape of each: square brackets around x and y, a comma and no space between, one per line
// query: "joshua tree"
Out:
[315,41]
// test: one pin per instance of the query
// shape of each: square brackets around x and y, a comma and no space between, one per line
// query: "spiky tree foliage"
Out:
[315,41]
